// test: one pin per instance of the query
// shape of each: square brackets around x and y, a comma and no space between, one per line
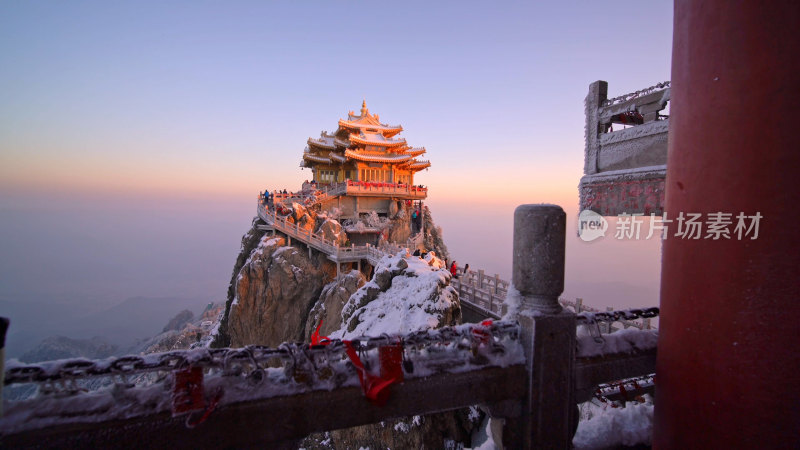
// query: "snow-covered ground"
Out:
[609,427]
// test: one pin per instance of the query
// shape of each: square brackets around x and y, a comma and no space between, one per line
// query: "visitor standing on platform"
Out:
[454,269]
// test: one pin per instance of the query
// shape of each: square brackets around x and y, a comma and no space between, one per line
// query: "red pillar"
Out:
[728,371]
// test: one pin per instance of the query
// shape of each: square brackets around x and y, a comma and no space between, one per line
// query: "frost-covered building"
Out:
[363,149]
[365,165]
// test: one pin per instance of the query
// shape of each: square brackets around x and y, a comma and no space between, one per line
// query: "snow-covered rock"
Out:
[406,294]
[331,230]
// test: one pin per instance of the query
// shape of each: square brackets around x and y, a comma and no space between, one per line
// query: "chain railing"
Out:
[590,318]
[423,352]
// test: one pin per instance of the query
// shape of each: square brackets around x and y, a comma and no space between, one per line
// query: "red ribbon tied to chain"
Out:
[376,388]
[316,339]
[187,391]
[480,334]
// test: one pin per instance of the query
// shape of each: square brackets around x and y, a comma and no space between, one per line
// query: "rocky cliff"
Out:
[282,293]
[249,242]
[276,288]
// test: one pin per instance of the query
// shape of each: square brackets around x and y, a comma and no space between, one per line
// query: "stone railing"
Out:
[333,251]
[486,295]
[624,170]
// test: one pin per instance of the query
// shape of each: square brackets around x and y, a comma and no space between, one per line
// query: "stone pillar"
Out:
[537,270]
[598,93]
[549,412]
[727,360]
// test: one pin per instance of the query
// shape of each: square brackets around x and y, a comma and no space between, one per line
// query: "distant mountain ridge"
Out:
[121,325]
[61,347]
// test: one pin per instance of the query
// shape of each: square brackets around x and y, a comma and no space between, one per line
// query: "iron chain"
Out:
[233,361]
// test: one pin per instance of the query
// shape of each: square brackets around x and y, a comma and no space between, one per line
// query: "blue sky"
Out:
[193,107]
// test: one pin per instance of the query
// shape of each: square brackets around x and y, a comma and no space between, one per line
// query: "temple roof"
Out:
[325,140]
[418,165]
[370,138]
[316,158]
[363,138]
[369,157]
[369,122]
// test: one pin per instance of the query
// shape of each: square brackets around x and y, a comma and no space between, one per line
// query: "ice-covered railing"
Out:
[487,293]
[636,94]
[140,385]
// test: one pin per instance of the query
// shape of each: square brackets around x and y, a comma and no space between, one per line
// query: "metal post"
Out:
[549,411]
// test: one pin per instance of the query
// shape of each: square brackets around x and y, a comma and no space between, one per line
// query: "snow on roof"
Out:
[337,158]
[323,141]
[372,138]
[416,151]
[361,122]
[418,164]
[315,158]
[377,158]
[364,130]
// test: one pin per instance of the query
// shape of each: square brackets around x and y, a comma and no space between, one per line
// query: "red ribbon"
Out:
[375,388]
[187,391]
[481,335]
[316,339]
[212,405]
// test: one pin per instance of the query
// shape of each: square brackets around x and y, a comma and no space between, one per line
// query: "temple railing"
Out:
[404,191]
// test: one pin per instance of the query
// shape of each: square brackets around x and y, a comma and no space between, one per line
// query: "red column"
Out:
[728,373]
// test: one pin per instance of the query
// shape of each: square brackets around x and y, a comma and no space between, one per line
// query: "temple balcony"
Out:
[380,189]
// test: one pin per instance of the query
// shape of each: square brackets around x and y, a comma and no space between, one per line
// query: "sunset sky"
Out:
[134,137]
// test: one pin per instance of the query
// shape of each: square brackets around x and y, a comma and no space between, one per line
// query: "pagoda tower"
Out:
[363,150]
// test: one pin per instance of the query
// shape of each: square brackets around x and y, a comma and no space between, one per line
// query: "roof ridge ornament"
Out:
[364,110]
